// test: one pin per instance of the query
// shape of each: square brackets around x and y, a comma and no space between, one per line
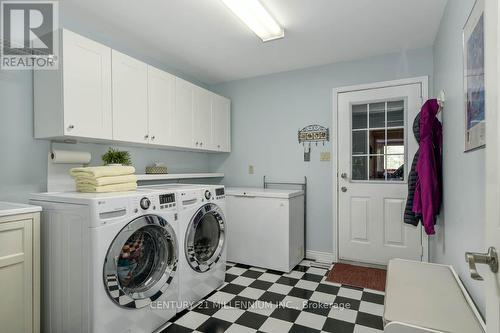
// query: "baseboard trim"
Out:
[320,256]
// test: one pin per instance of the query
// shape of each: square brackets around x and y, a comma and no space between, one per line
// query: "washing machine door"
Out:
[205,237]
[141,262]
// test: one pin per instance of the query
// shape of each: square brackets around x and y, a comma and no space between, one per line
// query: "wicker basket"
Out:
[156,170]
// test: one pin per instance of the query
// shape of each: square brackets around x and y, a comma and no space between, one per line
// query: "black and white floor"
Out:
[260,300]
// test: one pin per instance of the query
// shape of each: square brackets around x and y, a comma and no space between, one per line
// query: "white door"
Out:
[202,120]
[130,99]
[161,93]
[221,120]
[87,87]
[16,274]
[183,113]
[376,148]
[492,73]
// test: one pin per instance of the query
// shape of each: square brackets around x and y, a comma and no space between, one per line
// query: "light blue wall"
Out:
[461,227]
[23,166]
[267,111]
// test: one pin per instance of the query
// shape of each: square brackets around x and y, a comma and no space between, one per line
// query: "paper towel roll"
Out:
[70,157]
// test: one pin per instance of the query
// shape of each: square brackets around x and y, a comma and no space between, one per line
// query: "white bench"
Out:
[422,297]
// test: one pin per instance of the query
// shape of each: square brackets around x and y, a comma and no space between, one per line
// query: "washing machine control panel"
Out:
[167,200]
[145,203]
[219,193]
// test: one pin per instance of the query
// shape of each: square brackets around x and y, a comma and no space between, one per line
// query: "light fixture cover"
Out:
[257,18]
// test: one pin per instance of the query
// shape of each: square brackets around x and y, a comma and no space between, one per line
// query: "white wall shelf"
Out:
[174,176]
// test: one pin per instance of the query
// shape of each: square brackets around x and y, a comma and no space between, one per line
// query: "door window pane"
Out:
[377,115]
[395,114]
[359,116]
[395,141]
[359,142]
[359,168]
[377,142]
[379,152]
[395,167]
[377,168]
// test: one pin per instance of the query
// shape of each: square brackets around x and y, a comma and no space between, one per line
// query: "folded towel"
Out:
[86,180]
[107,188]
[102,171]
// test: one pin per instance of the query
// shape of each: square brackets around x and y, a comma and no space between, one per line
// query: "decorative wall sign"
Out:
[312,134]
[474,86]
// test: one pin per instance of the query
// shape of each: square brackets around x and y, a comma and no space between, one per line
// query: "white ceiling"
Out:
[204,40]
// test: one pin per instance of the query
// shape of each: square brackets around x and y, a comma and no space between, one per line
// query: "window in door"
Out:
[378,141]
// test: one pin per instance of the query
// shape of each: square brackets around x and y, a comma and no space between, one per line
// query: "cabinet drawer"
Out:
[13,239]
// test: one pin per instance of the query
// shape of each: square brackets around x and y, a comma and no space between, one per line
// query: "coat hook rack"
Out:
[441,99]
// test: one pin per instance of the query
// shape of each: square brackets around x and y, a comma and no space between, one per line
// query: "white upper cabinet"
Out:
[221,123]
[101,94]
[202,120]
[75,100]
[183,114]
[130,99]
[161,106]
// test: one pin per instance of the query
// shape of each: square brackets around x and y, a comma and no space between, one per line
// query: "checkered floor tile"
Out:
[259,300]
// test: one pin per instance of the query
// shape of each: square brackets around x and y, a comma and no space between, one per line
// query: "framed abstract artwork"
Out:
[475,108]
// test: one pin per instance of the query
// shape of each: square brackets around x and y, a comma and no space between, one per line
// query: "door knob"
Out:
[489,258]
[343,189]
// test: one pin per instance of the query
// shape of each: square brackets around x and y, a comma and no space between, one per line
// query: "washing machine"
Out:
[109,261]
[202,240]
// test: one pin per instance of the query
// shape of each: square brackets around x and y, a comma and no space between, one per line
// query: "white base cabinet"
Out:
[102,95]
[20,273]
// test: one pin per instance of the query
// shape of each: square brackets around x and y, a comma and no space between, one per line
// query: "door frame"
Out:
[424,82]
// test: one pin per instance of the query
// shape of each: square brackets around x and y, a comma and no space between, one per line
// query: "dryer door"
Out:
[141,262]
[205,237]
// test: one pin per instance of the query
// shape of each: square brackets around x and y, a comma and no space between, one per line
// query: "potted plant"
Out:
[115,157]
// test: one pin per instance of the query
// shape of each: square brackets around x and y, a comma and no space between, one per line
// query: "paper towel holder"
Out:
[66,141]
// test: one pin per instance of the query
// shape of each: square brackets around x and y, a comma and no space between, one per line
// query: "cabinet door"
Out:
[161,93]
[183,113]
[87,87]
[221,109]
[202,121]
[130,99]
[16,276]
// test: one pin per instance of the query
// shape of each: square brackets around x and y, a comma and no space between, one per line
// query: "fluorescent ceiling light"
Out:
[257,18]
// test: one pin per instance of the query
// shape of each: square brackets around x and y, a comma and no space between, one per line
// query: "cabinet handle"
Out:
[146,136]
[70,127]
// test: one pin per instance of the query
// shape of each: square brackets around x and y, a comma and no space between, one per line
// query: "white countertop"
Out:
[9,208]
[262,192]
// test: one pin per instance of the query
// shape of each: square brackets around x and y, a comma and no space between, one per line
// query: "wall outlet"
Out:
[324,156]
[250,170]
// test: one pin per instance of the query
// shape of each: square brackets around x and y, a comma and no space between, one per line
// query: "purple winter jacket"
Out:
[428,191]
